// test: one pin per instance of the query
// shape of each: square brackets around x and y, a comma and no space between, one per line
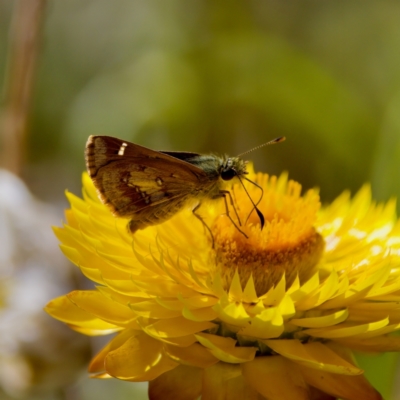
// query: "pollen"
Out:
[288,244]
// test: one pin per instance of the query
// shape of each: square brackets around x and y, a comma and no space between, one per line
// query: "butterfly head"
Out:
[236,167]
[233,166]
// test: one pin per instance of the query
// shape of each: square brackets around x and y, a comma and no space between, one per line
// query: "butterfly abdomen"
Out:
[145,219]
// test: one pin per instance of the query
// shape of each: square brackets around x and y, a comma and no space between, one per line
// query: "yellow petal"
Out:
[195,355]
[71,253]
[341,386]
[305,290]
[267,324]
[123,263]
[76,202]
[232,313]
[198,301]
[386,289]
[139,359]
[200,314]
[375,344]
[368,311]
[97,364]
[345,299]
[235,290]
[100,306]
[319,294]
[286,307]
[328,287]
[173,327]
[163,288]
[215,379]
[346,329]
[182,341]
[224,348]
[120,298]
[322,321]
[313,355]
[92,274]
[181,383]
[275,378]
[89,188]
[239,389]
[125,286]
[152,309]
[64,310]
[249,293]
[218,286]
[378,332]
[275,295]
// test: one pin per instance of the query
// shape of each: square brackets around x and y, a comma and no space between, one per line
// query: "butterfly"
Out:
[149,187]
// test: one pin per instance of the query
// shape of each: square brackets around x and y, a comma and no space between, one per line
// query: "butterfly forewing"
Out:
[135,181]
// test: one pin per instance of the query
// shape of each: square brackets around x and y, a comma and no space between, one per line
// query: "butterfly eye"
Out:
[228,174]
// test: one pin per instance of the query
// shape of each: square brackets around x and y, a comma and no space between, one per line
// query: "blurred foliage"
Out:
[221,76]
[380,370]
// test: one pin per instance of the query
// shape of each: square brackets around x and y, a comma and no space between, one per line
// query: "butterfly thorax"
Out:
[216,171]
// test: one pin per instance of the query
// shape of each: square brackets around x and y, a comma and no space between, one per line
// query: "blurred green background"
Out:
[220,76]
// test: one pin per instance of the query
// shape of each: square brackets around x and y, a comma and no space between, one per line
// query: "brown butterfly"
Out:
[150,187]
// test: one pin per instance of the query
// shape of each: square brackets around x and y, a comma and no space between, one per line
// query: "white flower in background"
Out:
[35,352]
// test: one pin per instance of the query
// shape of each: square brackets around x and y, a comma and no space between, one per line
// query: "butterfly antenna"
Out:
[259,213]
[273,141]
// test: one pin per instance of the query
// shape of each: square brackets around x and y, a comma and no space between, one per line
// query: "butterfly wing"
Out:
[137,182]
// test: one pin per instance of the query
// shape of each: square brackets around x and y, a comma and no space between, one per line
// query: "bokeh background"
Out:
[205,76]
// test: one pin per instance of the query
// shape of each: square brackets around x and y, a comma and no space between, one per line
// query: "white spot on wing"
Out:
[121,150]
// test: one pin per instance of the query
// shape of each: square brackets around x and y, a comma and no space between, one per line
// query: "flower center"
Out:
[288,243]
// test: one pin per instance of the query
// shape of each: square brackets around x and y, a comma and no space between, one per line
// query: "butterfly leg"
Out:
[223,194]
[202,221]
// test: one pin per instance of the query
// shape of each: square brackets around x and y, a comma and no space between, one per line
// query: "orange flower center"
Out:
[288,244]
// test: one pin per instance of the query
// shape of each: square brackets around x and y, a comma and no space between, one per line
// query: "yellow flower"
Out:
[274,316]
